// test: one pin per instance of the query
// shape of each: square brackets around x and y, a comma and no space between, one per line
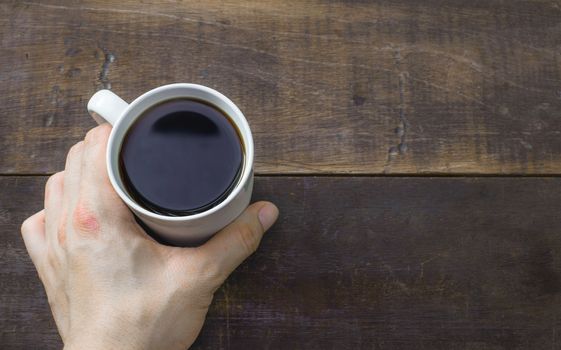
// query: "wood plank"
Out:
[400,263]
[402,86]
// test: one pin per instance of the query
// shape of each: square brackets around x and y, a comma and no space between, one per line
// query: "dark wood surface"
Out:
[362,89]
[405,86]
[373,263]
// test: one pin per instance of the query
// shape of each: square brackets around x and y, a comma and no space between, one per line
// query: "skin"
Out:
[109,284]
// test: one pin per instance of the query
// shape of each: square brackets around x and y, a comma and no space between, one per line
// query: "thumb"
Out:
[237,241]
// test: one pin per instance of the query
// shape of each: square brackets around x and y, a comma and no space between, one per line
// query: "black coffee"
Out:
[181,157]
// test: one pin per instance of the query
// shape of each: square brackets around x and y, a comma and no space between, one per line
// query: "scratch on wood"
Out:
[290,164]
[443,88]
[104,73]
[422,274]
[55,102]
[526,145]
[274,80]
[403,125]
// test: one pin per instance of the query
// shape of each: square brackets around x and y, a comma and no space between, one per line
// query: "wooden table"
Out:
[414,148]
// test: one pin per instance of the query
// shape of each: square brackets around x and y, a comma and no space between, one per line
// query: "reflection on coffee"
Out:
[181,157]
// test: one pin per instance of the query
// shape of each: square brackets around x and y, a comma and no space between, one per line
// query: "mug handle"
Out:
[105,106]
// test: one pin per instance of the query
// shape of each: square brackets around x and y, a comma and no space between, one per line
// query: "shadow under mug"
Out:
[105,106]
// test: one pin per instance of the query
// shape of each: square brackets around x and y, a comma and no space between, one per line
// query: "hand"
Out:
[111,286]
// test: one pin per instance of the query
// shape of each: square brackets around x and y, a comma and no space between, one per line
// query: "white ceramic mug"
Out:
[105,106]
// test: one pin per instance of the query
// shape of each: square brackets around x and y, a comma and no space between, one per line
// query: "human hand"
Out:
[111,286]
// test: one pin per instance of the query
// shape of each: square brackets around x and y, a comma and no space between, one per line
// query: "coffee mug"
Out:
[105,106]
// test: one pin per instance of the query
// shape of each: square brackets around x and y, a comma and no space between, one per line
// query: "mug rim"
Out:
[246,139]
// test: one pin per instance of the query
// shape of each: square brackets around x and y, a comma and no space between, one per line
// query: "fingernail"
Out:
[268,215]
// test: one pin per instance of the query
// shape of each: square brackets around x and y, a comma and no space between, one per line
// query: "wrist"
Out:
[100,340]
[100,344]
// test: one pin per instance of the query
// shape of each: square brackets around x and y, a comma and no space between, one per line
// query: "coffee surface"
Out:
[181,157]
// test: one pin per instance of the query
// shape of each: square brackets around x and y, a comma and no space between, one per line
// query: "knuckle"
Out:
[25,226]
[54,181]
[58,177]
[91,135]
[248,238]
[51,180]
[85,220]
[77,148]
[74,152]
[98,133]
[31,223]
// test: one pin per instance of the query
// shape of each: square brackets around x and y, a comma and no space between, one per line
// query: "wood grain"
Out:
[400,87]
[377,263]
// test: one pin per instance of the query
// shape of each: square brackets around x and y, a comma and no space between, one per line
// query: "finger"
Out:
[231,246]
[53,206]
[97,196]
[95,184]
[72,173]
[33,233]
